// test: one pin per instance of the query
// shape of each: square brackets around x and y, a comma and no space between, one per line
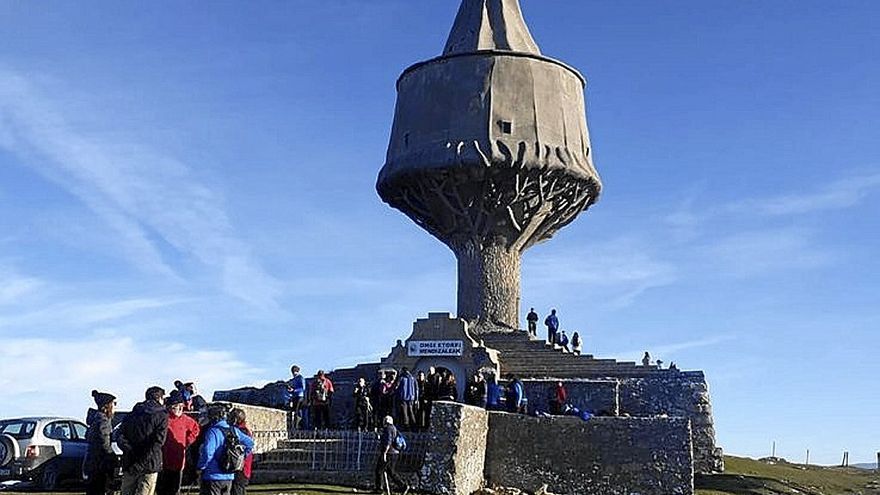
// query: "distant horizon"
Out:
[189,193]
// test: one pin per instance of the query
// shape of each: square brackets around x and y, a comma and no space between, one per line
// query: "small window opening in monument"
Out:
[506,126]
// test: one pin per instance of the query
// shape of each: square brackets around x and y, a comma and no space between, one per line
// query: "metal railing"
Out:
[341,451]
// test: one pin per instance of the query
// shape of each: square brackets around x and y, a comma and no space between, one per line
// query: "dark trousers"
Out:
[239,484]
[533,328]
[388,468]
[407,414]
[210,487]
[98,484]
[423,415]
[363,416]
[295,407]
[168,482]
[551,335]
[321,416]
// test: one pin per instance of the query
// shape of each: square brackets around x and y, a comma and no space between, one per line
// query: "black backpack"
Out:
[232,457]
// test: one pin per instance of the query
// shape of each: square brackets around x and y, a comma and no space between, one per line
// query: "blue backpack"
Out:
[400,442]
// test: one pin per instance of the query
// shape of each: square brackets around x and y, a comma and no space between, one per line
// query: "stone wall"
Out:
[684,394]
[268,425]
[454,462]
[602,456]
[596,396]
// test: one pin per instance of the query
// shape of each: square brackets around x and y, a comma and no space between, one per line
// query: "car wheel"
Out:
[49,477]
[7,450]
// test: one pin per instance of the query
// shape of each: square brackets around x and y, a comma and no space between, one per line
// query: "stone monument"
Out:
[490,153]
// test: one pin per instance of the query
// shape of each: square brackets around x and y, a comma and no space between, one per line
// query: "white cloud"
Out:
[14,287]
[43,376]
[668,351]
[620,269]
[138,192]
[760,252]
[71,314]
[840,194]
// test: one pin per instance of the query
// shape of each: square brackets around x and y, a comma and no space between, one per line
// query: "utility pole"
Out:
[845,461]
[773,450]
[808,457]
[878,462]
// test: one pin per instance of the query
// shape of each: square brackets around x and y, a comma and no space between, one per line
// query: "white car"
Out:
[47,450]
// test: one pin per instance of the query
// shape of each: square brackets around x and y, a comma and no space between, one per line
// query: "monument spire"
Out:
[490,25]
[490,154]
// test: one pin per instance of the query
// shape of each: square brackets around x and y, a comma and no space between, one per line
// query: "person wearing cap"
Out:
[182,432]
[386,462]
[100,462]
[141,438]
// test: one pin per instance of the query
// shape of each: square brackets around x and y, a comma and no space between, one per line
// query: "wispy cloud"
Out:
[759,252]
[140,193]
[80,314]
[836,195]
[14,287]
[668,351]
[42,376]
[622,269]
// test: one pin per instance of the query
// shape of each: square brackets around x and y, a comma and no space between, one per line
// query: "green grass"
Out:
[741,477]
[750,477]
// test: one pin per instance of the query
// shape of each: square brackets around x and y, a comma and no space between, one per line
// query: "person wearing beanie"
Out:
[141,438]
[99,465]
[182,432]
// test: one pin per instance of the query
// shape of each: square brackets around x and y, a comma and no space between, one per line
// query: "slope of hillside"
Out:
[752,477]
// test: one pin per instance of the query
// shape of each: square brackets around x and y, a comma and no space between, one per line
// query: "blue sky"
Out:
[188,192]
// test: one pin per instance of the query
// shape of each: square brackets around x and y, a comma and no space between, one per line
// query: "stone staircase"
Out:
[529,357]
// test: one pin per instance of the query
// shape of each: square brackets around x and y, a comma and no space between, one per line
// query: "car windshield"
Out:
[17,428]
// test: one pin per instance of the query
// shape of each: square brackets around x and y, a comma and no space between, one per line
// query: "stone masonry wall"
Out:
[596,396]
[268,425]
[454,462]
[602,456]
[684,394]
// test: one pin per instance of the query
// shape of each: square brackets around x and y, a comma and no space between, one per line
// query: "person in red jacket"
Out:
[182,432]
[560,399]
[238,419]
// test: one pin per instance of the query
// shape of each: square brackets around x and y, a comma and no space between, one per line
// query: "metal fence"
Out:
[342,451]
[266,440]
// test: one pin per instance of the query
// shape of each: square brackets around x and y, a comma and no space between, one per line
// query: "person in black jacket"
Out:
[386,460]
[141,437]
[99,465]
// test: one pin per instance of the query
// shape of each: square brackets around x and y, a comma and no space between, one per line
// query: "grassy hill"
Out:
[757,477]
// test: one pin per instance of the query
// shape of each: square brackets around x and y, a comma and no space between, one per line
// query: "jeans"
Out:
[211,487]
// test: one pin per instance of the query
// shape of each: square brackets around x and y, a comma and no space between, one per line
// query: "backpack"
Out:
[232,457]
[399,442]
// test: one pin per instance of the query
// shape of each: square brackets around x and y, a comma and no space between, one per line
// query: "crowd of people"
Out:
[168,441]
[401,395]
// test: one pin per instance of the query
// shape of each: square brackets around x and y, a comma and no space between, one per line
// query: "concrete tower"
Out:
[490,153]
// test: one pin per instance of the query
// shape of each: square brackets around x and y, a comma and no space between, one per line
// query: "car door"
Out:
[68,462]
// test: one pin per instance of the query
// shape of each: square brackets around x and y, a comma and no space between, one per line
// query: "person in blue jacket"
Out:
[296,395]
[407,395]
[516,395]
[214,481]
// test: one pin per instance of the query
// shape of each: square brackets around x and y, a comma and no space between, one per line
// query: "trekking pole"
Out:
[387,483]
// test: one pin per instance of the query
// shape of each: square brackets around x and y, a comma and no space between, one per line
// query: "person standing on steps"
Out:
[576,344]
[532,319]
[646,359]
[552,323]
[296,396]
